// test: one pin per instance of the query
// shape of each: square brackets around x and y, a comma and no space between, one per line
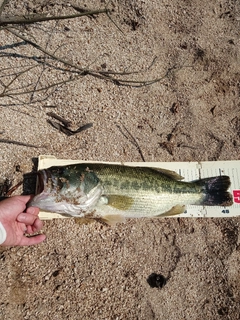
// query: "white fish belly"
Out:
[150,205]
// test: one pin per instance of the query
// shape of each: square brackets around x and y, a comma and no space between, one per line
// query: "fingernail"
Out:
[31,210]
[21,217]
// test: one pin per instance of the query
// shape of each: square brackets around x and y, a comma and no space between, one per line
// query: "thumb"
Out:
[29,241]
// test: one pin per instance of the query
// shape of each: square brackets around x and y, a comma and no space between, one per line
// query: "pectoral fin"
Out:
[173,211]
[112,219]
[80,221]
[117,201]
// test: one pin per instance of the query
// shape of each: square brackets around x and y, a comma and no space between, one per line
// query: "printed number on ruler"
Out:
[236,196]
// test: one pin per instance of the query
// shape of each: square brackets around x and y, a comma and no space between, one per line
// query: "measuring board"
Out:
[189,170]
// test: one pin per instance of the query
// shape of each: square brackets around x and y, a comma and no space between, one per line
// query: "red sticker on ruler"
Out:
[236,196]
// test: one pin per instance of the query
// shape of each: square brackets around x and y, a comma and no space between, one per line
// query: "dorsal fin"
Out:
[169,173]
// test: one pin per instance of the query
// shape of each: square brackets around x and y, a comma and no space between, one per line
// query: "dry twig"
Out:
[65,127]
[19,143]
[118,78]
[127,134]
[33,18]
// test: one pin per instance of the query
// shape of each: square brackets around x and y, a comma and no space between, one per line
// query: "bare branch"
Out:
[35,45]
[49,59]
[65,122]
[10,94]
[131,138]
[64,127]
[98,74]
[19,143]
[16,76]
[28,19]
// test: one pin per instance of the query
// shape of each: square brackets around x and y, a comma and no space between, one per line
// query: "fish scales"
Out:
[107,191]
[151,190]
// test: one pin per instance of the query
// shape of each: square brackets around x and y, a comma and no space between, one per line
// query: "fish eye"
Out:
[58,170]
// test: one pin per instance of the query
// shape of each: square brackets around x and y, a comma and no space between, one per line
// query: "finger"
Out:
[13,205]
[23,199]
[33,210]
[25,241]
[29,230]
[26,218]
[35,227]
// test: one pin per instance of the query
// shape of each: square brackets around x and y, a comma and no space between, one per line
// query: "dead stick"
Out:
[19,143]
[10,191]
[131,138]
[65,122]
[98,74]
[28,19]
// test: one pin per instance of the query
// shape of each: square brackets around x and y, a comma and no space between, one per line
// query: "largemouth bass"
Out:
[114,192]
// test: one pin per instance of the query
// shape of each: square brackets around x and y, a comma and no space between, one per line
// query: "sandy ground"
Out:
[96,271]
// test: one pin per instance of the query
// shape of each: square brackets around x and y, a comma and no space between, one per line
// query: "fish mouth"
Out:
[42,178]
[40,182]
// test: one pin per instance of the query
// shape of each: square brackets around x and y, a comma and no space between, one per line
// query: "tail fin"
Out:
[215,190]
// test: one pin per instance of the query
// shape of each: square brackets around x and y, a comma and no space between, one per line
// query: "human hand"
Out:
[16,222]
